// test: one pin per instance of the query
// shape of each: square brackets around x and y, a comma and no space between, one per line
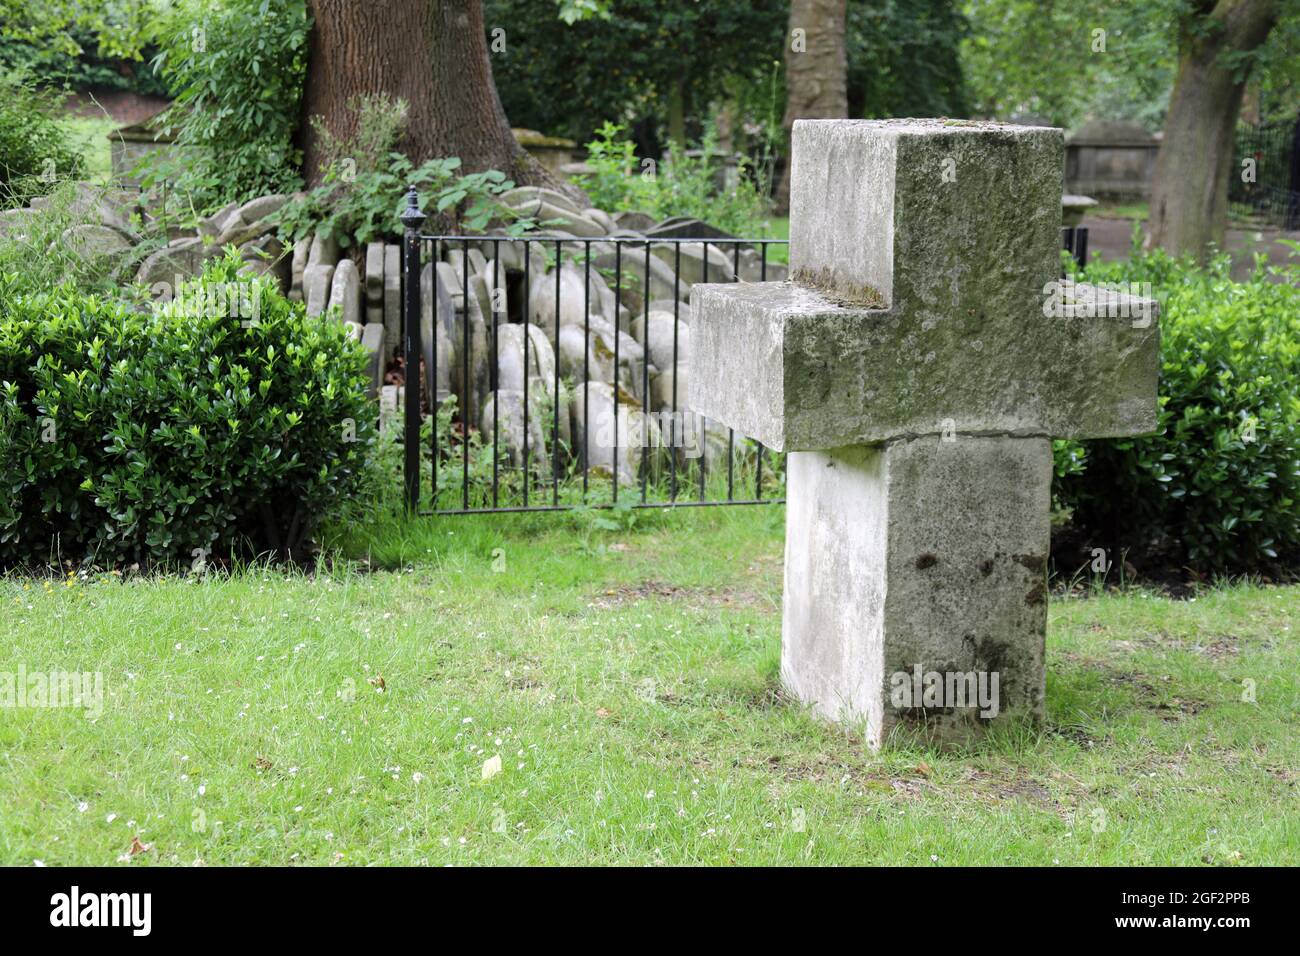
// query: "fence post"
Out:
[412,219]
[1291,215]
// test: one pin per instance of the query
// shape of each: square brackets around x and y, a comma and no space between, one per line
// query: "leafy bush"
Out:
[681,185]
[35,151]
[182,432]
[365,180]
[1218,487]
[238,69]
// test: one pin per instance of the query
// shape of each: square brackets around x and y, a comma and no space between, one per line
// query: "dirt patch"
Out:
[1149,692]
[1178,708]
[1076,735]
[1015,785]
[1220,648]
[1216,647]
[727,596]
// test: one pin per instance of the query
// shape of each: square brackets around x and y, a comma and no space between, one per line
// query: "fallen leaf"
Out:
[491,767]
[138,847]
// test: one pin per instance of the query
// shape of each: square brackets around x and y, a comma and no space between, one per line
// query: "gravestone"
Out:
[345,292]
[916,368]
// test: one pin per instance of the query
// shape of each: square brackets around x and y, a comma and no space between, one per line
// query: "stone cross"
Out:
[916,368]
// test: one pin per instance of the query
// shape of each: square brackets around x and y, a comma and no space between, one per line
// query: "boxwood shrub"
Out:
[178,433]
[1217,488]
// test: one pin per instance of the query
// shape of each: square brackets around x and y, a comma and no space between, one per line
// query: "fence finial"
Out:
[412,217]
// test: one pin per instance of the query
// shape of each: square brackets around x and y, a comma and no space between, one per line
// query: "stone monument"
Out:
[916,368]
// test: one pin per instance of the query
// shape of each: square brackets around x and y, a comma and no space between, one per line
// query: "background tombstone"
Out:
[916,374]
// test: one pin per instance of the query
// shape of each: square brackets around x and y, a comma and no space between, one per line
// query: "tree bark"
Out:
[1189,193]
[677,116]
[431,53]
[816,71]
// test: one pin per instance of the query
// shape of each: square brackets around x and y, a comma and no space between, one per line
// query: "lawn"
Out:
[89,134]
[626,680]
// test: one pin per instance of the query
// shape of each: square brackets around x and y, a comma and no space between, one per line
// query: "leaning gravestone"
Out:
[915,370]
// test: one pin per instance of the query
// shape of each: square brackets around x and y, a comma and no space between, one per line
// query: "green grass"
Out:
[779,229]
[627,680]
[89,134]
[1117,210]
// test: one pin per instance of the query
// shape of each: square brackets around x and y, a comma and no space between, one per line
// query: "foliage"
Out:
[80,66]
[628,62]
[1218,486]
[681,185]
[35,152]
[238,69]
[1044,57]
[165,435]
[119,27]
[1277,69]
[903,59]
[1048,59]
[365,180]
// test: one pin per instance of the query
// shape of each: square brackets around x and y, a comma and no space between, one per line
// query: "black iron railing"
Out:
[1074,240]
[591,415]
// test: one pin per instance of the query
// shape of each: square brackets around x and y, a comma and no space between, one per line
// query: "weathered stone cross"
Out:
[916,370]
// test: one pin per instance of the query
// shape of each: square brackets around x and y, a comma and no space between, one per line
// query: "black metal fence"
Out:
[1265,180]
[1074,240]
[524,390]
[533,395]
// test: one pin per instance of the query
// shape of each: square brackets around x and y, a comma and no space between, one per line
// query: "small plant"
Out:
[222,424]
[681,185]
[365,181]
[238,68]
[36,256]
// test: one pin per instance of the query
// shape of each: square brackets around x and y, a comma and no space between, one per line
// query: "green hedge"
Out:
[158,437]
[1217,488]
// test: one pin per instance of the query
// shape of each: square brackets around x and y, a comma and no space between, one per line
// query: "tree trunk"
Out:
[431,53]
[1189,193]
[677,116]
[816,71]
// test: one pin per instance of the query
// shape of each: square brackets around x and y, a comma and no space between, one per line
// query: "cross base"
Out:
[916,584]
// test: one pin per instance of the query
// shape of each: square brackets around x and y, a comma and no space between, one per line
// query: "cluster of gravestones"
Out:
[105,221]
[601,338]
[104,228]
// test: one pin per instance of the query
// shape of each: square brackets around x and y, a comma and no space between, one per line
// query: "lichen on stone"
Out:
[846,295]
